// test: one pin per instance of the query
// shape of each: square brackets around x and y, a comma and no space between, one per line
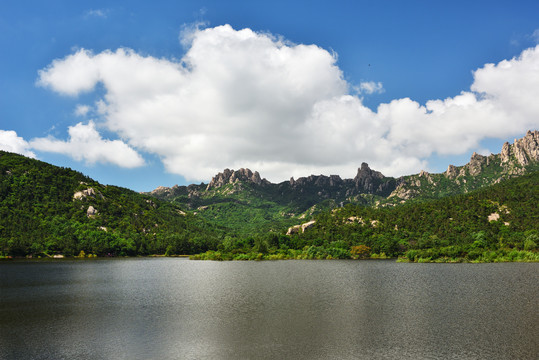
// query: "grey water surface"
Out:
[170,308]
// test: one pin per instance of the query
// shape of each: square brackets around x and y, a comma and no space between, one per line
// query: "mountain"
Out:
[45,210]
[499,222]
[514,160]
[244,202]
[489,204]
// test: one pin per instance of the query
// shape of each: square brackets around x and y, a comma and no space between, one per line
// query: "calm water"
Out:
[181,309]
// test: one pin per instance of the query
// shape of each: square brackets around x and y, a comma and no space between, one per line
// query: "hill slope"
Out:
[45,210]
[247,204]
[497,223]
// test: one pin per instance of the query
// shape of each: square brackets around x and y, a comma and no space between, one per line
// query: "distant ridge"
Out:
[242,193]
[514,159]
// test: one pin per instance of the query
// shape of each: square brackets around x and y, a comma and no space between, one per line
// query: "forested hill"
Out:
[504,215]
[497,223]
[46,210]
[247,204]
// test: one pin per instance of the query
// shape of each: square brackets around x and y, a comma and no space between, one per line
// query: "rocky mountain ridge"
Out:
[514,160]
[368,187]
[228,182]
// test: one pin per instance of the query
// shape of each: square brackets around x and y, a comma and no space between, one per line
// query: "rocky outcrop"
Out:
[163,191]
[525,150]
[79,195]
[506,153]
[91,212]
[307,225]
[493,217]
[451,172]
[296,229]
[367,179]
[368,186]
[476,164]
[403,192]
[230,176]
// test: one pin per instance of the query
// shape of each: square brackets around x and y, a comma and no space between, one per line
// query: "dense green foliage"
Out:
[47,210]
[249,209]
[242,209]
[449,229]
[39,215]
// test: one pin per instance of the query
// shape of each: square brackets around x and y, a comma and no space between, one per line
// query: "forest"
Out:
[47,210]
[451,229]
[40,216]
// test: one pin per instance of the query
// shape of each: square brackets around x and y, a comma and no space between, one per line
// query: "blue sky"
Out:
[285,88]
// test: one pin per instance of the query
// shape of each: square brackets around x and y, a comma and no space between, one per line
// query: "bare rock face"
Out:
[293,230]
[404,192]
[525,150]
[161,191]
[230,176]
[91,211]
[307,225]
[79,195]
[296,229]
[292,182]
[451,172]
[506,152]
[493,217]
[426,175]
[476,163]
[366,178]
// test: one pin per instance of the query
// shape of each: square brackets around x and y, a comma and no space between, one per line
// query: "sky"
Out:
[144,94]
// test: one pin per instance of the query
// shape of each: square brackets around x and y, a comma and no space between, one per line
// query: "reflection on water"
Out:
[180,309]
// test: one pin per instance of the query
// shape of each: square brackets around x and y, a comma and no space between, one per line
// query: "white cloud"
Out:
[86,144]
[247,99]
[535,36]
[371,87]
[81,110]
[9,141]
[101,13]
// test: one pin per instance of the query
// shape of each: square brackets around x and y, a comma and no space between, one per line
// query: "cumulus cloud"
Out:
[239,98]
[85,143]
[81,110]
[9,141]
[371,87]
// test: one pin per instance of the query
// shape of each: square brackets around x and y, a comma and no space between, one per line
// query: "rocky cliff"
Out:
[369,187]
[524,150]
[515,159]
[230,177]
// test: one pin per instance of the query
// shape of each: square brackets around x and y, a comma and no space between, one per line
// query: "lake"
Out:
[171,308]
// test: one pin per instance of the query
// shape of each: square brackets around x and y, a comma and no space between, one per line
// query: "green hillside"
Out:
[483,211]
[248,205]
[45,210]
[499,222]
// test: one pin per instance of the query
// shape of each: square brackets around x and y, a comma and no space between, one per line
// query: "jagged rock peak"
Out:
[366,178]
[424,173]
[335,180]
[160,190]
[451,172]
[230,176]
[476,163]
[525,150]
[365,172]
[164,190]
